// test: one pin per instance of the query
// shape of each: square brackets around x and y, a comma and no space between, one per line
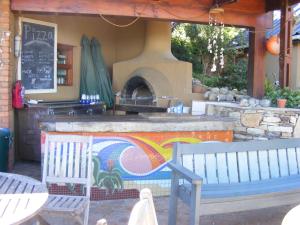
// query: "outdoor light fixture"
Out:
[3,35]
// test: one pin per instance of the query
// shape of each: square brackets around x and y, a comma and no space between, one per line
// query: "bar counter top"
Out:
[154,122]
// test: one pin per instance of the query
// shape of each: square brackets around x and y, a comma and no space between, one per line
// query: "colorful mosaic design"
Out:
[120,158]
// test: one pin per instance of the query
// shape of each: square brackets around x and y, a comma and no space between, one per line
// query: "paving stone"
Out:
[242,137]
[286,135]
[255,131]
[280,129]
[297,129]
[260,138]
[272,119]
[251,119]
[269,124]
[236,115]
[285,119]
[273,134]
[293,120]
[263,127]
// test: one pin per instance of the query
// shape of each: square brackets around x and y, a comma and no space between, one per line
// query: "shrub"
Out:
[273,93]
[234,77]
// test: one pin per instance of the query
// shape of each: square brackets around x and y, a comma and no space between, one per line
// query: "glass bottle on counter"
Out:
[97,99]
[83,99]
[88,99]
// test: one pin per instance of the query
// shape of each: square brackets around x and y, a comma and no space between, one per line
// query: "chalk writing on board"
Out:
[38,63]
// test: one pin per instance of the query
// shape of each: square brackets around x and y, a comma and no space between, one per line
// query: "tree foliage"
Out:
[189,43]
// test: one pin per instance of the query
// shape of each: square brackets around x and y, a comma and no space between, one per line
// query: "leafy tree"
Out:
[192,40]
[189,43]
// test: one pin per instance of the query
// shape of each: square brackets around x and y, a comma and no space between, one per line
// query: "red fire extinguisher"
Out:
[18,94]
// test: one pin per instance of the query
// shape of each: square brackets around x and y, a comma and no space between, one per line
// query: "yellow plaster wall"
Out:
[117,44]
[130,40]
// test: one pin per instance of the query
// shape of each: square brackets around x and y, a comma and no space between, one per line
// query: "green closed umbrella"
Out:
[88,81]
[101,74]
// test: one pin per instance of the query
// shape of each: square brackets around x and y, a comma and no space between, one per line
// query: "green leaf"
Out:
[119,179]
[96,163]
[101,176]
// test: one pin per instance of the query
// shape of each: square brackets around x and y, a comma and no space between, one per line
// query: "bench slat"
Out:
[254,188]
[283,162]
[232,168]
[243,166]
[64,163]
[264,165]
[222,168]
[71,159]
[237,146]
[51,164]
[292,161]
[58,159]
[200,167]
[274,163]
[253,165]
[211,168]
[298,159]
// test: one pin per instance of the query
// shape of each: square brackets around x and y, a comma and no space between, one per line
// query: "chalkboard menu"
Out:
[38,56]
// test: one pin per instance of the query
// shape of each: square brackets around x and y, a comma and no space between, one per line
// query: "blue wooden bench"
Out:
[215,178]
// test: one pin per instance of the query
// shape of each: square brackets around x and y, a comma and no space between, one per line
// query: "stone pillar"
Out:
[6,71]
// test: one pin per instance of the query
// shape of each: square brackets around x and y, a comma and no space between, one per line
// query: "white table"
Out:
[21,198]
[292,217]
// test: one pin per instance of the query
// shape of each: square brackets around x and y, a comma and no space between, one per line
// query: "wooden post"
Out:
[285,44]
[256,66]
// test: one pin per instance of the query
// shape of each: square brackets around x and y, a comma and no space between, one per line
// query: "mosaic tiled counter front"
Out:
[125,162]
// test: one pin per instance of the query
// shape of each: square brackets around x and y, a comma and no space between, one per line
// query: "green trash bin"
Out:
[5,138]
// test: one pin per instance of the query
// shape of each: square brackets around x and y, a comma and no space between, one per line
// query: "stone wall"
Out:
[259,123]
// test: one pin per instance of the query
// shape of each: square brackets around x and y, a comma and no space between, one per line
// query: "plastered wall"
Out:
[117,44]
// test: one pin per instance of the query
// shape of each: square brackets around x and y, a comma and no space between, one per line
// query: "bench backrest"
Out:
[68,159]
[238,162]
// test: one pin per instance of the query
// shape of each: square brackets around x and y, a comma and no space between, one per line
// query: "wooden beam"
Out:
[272,5]
[285,43]
[293,2]
[256,64]
[188,10]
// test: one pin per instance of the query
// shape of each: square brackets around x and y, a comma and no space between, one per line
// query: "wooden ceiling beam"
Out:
[293,2]
[176,10]
[272,5]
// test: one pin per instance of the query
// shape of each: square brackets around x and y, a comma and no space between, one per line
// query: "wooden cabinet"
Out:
[64,65]
[28,130]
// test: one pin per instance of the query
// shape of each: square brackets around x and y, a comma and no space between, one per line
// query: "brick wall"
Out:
[6,78]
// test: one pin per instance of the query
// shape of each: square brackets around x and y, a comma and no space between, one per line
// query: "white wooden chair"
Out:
[143,212]
[68,160]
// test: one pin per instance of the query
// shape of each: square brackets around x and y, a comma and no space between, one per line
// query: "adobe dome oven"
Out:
[155,72]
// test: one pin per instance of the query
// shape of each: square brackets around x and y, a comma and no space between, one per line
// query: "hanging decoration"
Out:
[215,42]
[3,36]
[273,45]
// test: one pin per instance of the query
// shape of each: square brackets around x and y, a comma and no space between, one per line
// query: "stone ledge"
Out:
[237,106]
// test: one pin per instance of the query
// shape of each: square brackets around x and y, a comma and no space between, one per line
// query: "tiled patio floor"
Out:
[117,211]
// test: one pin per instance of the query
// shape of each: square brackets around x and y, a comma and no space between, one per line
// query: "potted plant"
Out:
[281,102]
[284,97]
